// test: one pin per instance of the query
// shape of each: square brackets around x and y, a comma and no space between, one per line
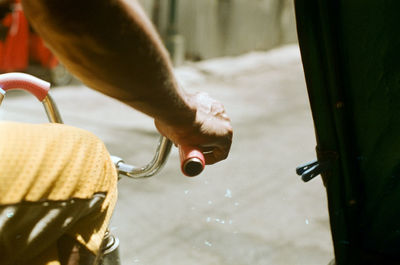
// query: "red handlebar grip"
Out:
[192,160]
[36,86]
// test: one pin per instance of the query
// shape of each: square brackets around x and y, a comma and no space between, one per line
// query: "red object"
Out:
[40,53]
[192,160]
[14,50]
[21,44]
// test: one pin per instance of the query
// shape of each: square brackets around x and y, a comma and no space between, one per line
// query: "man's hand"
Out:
[210,131]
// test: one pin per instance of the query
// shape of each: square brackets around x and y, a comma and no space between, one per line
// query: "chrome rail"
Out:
[51,110]
[158,161]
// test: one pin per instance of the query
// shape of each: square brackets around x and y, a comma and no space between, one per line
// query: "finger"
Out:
[210,159]
[215,156]
[217,108]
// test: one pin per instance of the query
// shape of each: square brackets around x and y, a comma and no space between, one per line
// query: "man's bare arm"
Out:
[112,47]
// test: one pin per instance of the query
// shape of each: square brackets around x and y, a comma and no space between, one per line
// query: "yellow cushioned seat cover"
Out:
[55,163]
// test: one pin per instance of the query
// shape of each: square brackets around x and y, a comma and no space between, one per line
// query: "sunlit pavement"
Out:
[250,209]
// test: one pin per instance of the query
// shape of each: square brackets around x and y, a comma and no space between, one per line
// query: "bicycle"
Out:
[192,160]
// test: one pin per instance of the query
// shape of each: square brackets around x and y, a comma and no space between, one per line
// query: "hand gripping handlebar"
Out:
[192,160]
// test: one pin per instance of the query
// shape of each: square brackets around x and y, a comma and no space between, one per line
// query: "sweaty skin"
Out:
[112,47]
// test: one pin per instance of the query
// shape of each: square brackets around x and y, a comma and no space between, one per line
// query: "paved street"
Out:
[251,209]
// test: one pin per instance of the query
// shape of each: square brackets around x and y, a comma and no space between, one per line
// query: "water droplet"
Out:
[230,222]
[228,193]
[208,219]
[10,214]
[46,204]
[206,182]
[210,202]
[236,204]
[220,221]
[207,243]
[63,204]
[186,192]
[136,260]
[307,222]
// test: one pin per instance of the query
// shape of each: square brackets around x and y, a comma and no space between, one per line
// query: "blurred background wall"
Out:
[202,29]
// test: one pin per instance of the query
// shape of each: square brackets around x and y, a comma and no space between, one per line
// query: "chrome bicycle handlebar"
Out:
[158,161]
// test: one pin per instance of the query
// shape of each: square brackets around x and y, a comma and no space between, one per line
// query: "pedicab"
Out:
[351,58]
[192,159]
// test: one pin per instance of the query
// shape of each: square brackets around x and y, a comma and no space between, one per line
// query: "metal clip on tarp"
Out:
[312,169]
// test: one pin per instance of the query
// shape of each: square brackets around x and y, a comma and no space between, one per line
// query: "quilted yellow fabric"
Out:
[55,162]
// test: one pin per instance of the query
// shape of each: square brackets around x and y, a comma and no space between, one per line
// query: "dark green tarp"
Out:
[351,57]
